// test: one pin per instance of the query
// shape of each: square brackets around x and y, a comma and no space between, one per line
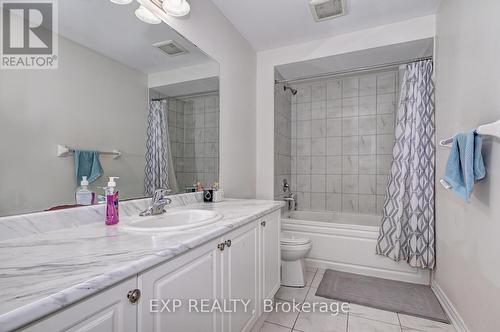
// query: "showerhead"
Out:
[293,91]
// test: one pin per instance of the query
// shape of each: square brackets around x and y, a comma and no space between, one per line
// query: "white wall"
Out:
[90,102]
[213,33]
[415,29]
[467,95]
[184,74]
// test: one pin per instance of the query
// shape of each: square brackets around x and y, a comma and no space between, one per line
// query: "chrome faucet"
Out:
[158,203]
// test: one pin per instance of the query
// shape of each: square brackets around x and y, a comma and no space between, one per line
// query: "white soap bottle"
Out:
[84,196]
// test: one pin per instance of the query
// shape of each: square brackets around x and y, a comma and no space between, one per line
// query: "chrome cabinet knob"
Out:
[263,223]
[134,295]
[221,246]
[228,243]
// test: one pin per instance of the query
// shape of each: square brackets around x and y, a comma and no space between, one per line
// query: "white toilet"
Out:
[293,251]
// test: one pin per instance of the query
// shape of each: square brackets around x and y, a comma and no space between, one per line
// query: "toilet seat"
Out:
[289,239]
[295,249]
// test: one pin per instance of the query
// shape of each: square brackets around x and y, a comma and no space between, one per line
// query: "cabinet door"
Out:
[270,254]
[195,275]
[241,277]
[108,311]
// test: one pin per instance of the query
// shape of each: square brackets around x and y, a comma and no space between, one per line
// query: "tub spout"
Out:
[291,201]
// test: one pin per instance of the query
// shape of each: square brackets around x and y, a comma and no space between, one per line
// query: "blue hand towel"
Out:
[465,164]
[87,164]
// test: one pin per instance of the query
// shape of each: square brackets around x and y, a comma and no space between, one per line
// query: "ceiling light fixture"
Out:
[176,8]
[121,2]
[146,15]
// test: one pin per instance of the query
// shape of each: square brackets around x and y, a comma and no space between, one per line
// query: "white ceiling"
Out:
[114,31]
[367,58]
[203,85]
[269,24]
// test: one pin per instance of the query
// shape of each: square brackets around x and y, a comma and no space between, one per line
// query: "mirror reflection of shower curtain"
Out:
[159,170]
[171,176]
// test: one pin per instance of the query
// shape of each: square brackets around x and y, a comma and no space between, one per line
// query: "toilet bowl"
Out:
[293,251]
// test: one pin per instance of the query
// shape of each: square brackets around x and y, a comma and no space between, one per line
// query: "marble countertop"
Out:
[45,272]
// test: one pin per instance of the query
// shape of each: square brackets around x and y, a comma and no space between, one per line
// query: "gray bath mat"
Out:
[402,297]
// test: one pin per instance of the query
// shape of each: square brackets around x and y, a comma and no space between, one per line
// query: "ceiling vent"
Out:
[171,48]
[327,9]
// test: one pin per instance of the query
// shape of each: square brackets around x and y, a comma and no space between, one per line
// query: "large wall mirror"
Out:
[129,99]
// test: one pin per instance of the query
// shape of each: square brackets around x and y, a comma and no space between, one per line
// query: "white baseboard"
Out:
[448,307]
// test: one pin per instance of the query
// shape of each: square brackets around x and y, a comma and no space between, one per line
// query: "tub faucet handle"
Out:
[286,186]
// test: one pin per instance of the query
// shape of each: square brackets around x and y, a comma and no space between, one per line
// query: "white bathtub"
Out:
[346,242]
[334,217]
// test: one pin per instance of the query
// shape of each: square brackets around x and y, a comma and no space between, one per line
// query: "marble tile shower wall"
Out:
[282,139]
[200,160]
[342,137]
[175,119]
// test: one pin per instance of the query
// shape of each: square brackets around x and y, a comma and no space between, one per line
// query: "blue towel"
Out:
[87,164]
[465,164]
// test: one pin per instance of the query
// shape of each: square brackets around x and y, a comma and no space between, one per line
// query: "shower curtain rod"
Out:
[186,96]
[354,70]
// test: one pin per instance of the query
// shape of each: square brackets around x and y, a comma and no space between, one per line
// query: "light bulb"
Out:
[146,15]
[176,7]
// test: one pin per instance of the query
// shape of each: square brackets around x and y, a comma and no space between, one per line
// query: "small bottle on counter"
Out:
[112,216]
[199,186]
[83,195]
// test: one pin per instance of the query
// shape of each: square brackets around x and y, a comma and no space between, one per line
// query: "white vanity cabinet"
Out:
[108,311]
[241,273]
[225,269]
[244,264]
[270,255]
[194,275]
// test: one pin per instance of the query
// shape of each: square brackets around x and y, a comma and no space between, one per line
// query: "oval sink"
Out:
[173,221]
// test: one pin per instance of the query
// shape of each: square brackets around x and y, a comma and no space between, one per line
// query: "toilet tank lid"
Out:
[293,239]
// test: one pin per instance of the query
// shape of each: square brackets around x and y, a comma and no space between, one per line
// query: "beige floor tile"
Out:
[358,324]
[282,316]
[410,322]
[309,277]
[374,314]
[321,322]
[270,327]
[291,293]
[317,279]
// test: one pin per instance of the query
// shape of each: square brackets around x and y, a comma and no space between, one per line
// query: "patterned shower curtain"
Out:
[156,172]
[407,230]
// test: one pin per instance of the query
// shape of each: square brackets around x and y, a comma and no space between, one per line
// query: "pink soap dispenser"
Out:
[112,217]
